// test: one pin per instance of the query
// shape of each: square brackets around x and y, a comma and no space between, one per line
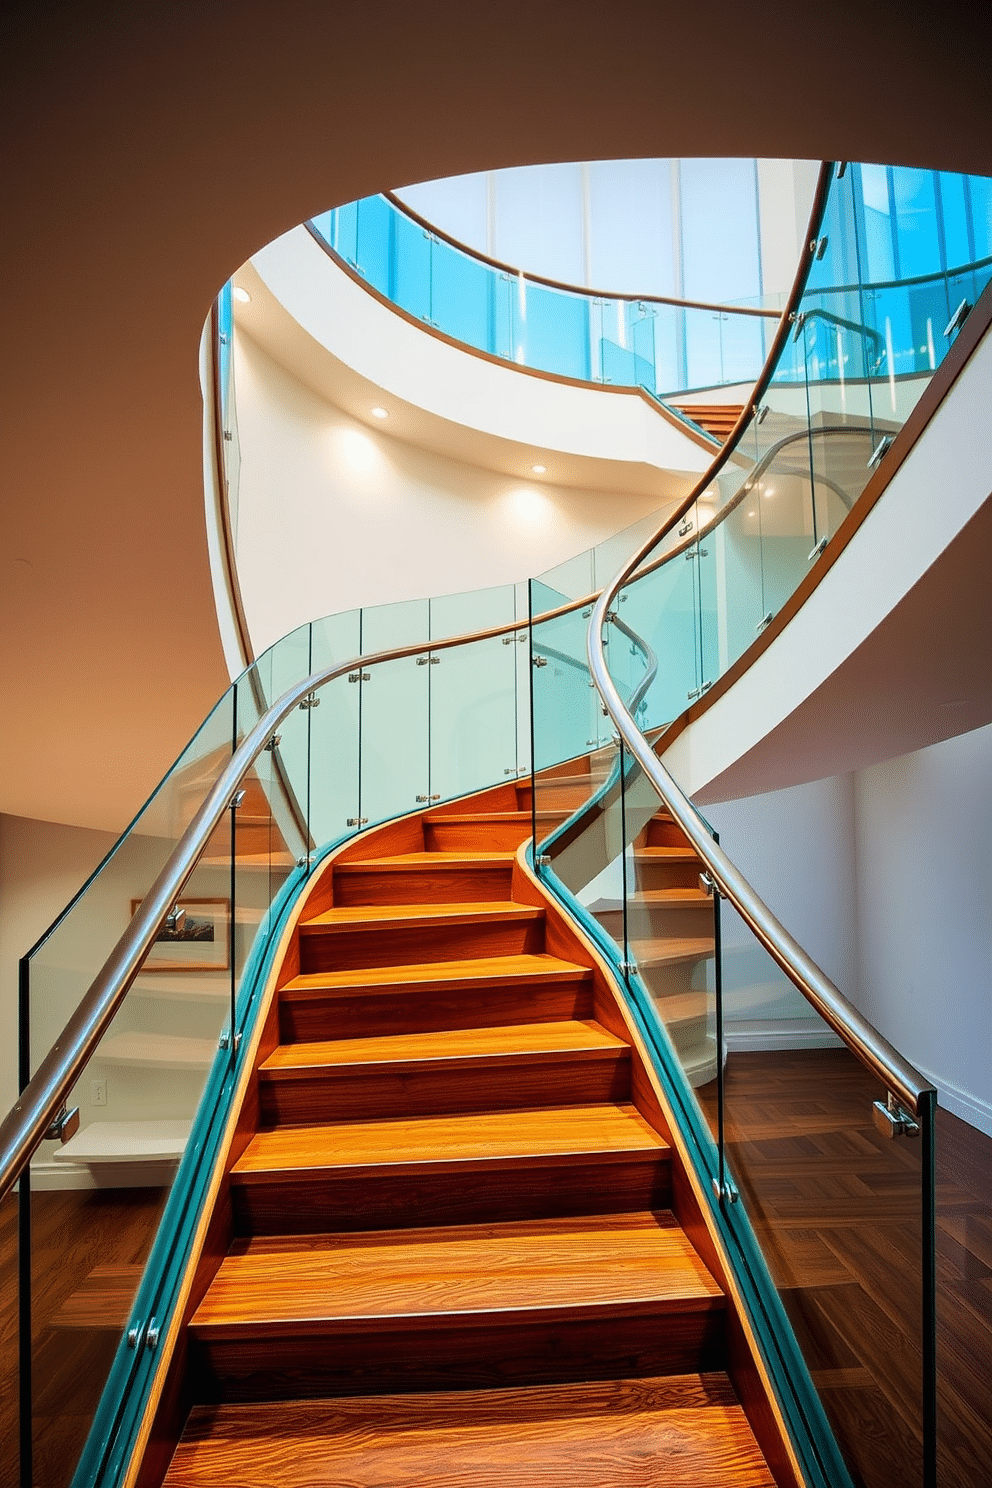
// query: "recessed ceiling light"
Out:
[539,469]
[380,413]
[242,295]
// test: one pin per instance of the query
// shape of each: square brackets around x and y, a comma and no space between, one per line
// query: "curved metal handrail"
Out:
[838,1012]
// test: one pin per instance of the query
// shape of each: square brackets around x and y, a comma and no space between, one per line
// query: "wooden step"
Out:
[417,1074]
[443,1307]
[657,912]
[416,878]
[452,1169]
[399,934]
[488,831]
[432,996]
[684,1431]
[670,950]
[662,831]
[666,868]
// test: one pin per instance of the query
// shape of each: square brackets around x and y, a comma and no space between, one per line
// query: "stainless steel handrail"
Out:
[837,1011]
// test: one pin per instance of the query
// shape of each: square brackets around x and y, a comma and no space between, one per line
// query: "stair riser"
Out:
[370,1093]
[561,798]
[655,923]
[301,1203]
[364,946]
[662,875]
[429,1356]
[466,885]
[455,836]
[408,1009]
[665,833]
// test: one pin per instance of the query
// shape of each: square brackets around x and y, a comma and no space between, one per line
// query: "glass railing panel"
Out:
[473,732]
[668,925]
[835,1204]
[461,297]
[550,330]
[343,232]
[64,966]
[390,625]
[395,757]
[410,265]
[373,252]
[330,796]
[661,607]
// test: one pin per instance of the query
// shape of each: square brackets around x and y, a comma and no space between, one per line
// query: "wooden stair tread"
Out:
[684,1431]
[427,1144]
[684,898]
[440,860]
[351,917]
[472,975]
[460,1272]
[662,952]
[519,1042]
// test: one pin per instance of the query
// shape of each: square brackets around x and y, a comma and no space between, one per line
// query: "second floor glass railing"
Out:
[899,251]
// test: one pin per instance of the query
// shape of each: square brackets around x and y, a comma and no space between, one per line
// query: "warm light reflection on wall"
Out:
[358,450]
[530,507]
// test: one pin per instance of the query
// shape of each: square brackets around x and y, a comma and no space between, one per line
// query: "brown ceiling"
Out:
[149,149]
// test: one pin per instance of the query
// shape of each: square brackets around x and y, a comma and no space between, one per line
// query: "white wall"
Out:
[796,846]
[924,892]
[333,514]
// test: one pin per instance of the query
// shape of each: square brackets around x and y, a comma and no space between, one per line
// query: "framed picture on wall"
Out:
[195,937]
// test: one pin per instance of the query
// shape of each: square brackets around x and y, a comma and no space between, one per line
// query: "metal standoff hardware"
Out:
[892,1120]
[818,548]
[357,821]
[310,701]
[359,676]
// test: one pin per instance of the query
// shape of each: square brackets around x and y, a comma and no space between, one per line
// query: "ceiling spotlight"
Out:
[380,413]
[242,295]
[539,469]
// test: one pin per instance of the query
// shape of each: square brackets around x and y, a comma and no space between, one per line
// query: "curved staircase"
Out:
[447,1246]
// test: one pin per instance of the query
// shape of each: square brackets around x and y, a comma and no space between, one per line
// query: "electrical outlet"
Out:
[98,1093]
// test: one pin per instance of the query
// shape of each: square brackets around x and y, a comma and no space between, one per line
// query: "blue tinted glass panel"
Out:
[460,296]
[980,189]
[552,331]
[375,217]
[539,221]
[954,214]
[630,226]
[412,268]
[879,261]
[916,222]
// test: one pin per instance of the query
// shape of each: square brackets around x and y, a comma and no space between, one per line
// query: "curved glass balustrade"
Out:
[663,346]
[901,248]
[392,735]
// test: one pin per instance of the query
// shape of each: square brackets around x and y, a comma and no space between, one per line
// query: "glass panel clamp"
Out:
[686,527]
[543,860]
[876,455]
[818,549]
[236,799]
[435,797]
[540,661]
[697,692]
[428,660]
[357,821]
[728,1193]
[764,623]
[357,677]
[64,1126]
[892,1120]
[224,1042]
[958,319]
[310,701]
[274,742]
[707,885]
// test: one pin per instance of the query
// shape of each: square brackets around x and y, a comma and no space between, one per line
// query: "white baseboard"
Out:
[752,1036]
[46,1177]
[970,1108]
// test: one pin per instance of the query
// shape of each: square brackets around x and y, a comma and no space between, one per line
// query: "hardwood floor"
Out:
[836,1208]
[89,1248]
